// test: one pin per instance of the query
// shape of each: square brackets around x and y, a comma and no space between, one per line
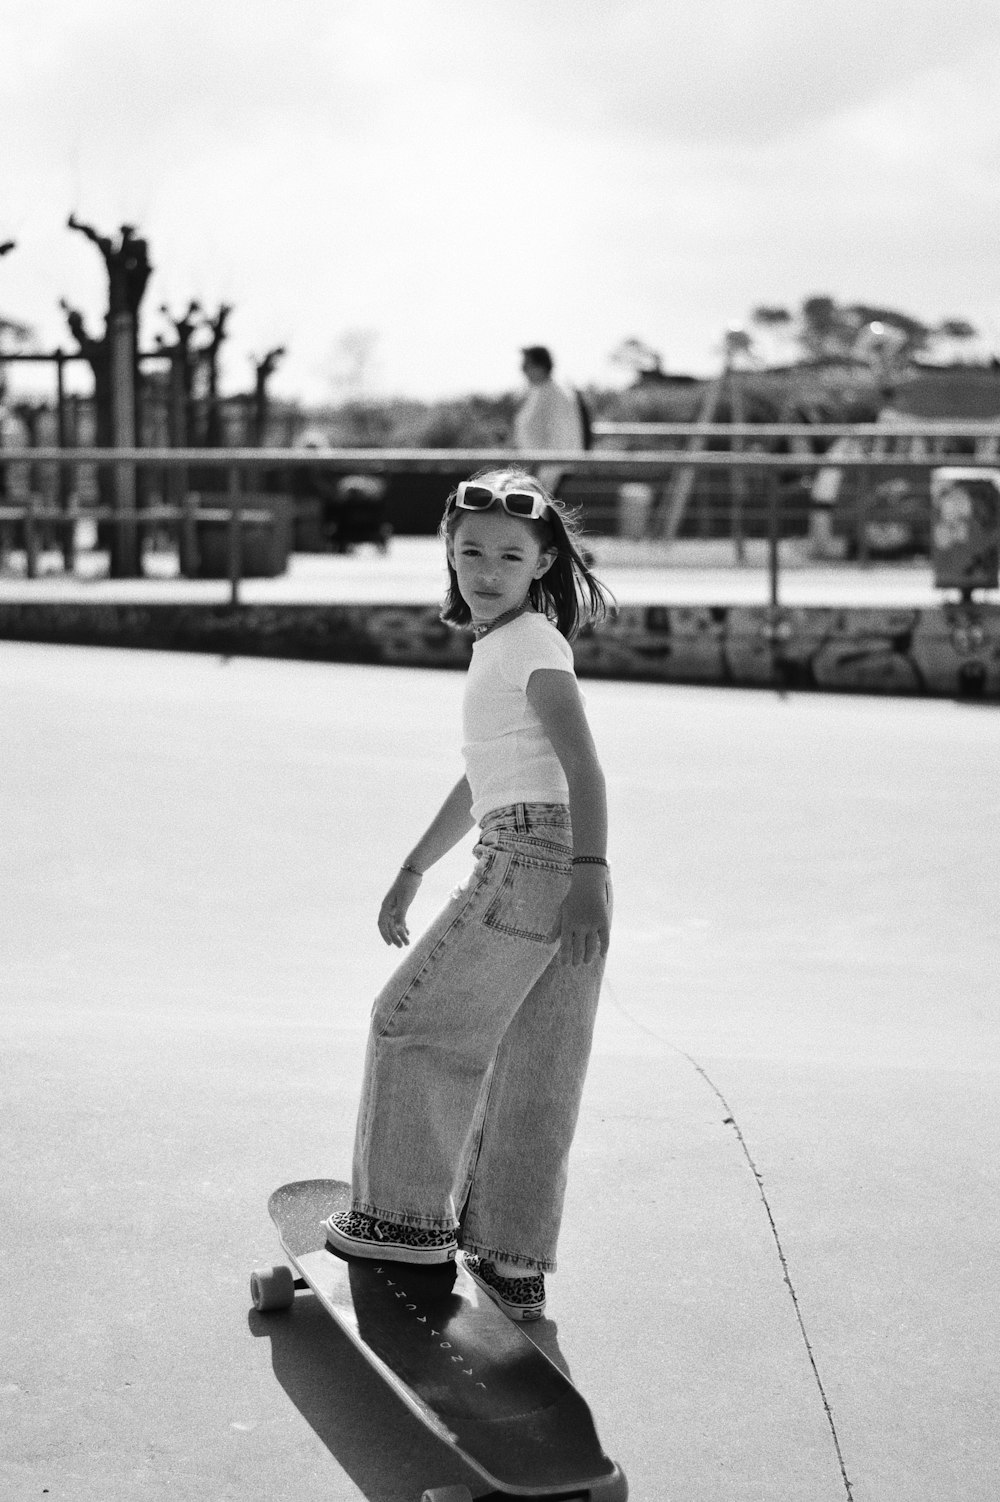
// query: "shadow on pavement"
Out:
[370,1433]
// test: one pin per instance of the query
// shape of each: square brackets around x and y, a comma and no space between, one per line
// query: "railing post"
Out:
[30,536]
[68,527]
[773,535]
[126,552]
[187,539]
[235,535]
[737,474]
[864,478]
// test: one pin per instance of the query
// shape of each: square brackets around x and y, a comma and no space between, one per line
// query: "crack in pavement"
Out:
[730,1120]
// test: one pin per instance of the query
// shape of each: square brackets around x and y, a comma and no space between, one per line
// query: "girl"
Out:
[479,1043]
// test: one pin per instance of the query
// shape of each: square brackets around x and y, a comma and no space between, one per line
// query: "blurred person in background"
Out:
[550,417]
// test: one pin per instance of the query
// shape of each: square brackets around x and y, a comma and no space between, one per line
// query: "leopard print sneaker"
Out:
[356,1235]
[519,1298]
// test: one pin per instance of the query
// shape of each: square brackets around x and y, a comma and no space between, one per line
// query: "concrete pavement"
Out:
[794,1092]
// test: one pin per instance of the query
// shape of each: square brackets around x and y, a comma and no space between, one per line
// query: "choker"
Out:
[502,620]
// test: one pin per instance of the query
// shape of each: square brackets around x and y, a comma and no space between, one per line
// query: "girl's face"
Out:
[496,558]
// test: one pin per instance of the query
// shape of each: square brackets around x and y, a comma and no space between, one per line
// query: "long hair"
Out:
[568,593]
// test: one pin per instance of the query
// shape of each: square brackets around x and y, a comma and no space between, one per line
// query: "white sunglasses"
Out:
[473,495]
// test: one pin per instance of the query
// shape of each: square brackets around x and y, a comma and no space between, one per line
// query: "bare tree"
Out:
[182,360]
[217,328]
[96,352]
[128,267]
[635,355]
[127,263]
[264,369]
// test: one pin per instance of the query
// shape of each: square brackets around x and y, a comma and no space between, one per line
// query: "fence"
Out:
[881,499]
[862,450]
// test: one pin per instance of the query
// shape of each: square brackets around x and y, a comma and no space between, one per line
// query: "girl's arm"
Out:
[452,821]
[586,915]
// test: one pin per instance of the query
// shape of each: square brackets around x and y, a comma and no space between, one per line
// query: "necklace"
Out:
[509,615]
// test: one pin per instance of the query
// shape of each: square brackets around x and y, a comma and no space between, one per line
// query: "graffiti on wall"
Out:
[951,650]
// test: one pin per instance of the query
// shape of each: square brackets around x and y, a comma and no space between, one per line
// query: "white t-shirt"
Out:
[508,756]
[548,418]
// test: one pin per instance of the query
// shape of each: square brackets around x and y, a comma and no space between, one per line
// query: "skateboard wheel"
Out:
[272,1288]
[447,1494]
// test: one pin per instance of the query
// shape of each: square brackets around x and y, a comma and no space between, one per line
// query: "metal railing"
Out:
[931,428]
[648,464]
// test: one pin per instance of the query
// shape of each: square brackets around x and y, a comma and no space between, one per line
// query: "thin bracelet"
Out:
[412,869]
[591,860]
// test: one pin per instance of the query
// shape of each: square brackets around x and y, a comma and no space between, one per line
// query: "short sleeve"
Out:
[539,645]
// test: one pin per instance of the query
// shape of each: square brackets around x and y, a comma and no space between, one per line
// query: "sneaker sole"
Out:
[523,1314]
[419,1256]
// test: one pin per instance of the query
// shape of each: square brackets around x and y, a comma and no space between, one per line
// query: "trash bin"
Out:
[635,507]
[965,528]
[264,546]
[356,513]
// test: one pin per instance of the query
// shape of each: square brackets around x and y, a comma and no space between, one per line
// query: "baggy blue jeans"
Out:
[477,1054]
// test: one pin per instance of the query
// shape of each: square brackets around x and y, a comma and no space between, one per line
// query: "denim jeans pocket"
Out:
[529,901]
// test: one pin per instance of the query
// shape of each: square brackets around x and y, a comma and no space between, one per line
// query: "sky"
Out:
[405,192]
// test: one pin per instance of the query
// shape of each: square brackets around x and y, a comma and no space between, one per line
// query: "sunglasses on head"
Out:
[473,495]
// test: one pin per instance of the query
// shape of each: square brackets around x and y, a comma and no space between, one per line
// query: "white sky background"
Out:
[467,176]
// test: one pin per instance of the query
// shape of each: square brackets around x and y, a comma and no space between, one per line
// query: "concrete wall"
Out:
[951,650]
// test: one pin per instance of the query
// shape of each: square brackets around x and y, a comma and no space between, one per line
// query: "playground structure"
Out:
[858,513]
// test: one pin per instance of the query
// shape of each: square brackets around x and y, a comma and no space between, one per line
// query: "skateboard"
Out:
[467,1371]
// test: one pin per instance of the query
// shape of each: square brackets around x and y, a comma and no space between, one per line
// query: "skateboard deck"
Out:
[467,1371]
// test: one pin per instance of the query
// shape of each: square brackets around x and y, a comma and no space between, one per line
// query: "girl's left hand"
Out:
[395,905]
[586,916]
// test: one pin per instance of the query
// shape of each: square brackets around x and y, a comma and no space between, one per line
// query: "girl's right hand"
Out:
[586,916]
[395,905]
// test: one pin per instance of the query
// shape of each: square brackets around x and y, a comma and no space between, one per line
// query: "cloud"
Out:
[163,79]
[466,177]
[722,70]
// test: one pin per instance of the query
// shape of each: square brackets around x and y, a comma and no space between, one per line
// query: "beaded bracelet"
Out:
[591,860]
